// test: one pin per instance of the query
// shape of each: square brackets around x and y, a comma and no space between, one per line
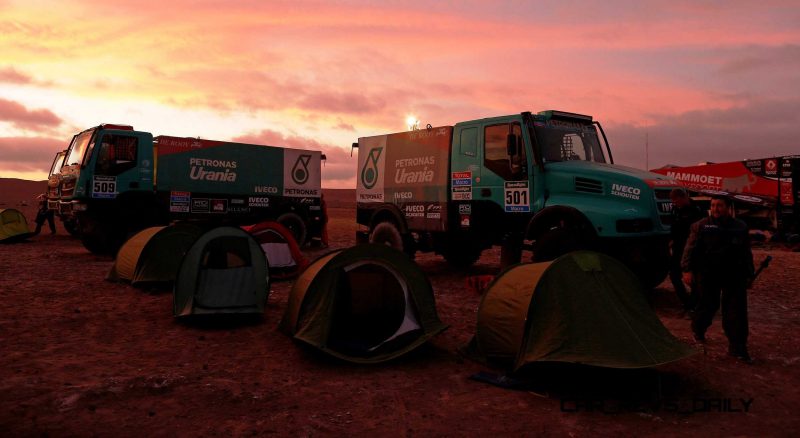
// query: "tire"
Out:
[386,233]
[71,225]
[296,225]
[562,237]
[98,236]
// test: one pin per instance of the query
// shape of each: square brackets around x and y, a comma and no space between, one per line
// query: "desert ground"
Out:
[83,356]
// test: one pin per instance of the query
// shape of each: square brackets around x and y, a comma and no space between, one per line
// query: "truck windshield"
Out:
[78,148]
[57,164]
[566,142]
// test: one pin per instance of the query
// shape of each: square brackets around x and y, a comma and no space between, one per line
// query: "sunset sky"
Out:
[704,80]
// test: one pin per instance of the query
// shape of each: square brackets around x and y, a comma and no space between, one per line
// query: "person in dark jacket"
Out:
[684,214]
[718,259]
[44,215]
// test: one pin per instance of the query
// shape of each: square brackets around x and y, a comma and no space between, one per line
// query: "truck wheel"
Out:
[71,225]
[386,233]
[296,225]
[96,236]
[562,237]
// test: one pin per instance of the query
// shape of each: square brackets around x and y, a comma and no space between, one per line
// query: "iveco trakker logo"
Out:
[300,169]
[369,174]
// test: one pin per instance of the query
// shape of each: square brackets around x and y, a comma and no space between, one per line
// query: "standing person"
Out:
[684,214]
[718,259]
[44,215]
[324,237]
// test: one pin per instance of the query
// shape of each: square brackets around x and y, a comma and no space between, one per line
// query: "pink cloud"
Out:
[28,154]
[23,118]
[12,76]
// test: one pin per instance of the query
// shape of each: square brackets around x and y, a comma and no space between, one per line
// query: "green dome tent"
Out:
[13,226]
[584,307]
[224,271]
[154,254]
[366,304]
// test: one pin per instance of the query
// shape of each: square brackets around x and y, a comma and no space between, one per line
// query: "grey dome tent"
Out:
[583,307]
[366,304]
[224,271]
[154,254]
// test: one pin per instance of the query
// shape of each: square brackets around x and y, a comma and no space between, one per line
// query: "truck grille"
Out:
[588,185]
[664,205]
[67,187]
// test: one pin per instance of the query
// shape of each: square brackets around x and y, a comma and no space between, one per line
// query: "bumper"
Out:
[69,208]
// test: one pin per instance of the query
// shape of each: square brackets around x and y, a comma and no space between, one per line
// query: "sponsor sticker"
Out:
[465,209]
[433,211]
[104,187]
[258,201]
[179,202]
[180,196]
[266,189]
[200,205]
[516,197]
[624,191]
[461,186]
[414,210]
[219,205]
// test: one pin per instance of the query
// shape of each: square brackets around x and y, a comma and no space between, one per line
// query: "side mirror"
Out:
[511,145]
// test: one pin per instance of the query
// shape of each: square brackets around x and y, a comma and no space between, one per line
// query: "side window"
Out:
[469,142]
[495,152]
[117,154]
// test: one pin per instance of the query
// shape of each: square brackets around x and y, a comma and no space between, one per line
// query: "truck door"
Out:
[504,177]
[117,167]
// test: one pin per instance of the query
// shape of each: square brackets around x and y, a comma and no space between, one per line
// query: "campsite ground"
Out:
[83,356]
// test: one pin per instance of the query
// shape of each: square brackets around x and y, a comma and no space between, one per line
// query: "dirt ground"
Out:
[82,356]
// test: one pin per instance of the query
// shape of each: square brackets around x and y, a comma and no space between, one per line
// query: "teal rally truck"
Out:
[544,182]
[116,181]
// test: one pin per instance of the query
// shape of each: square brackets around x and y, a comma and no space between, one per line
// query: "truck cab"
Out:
[522,165]
[107,177]
[100,161]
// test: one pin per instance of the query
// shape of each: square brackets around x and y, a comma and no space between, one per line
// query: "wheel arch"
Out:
[543,220]
[390,213]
